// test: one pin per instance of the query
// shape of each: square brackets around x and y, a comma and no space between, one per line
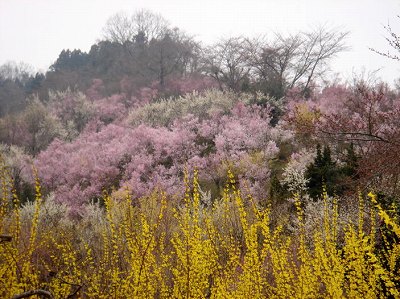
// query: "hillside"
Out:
[160,167]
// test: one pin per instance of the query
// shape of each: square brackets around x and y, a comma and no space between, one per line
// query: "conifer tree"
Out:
[322,172]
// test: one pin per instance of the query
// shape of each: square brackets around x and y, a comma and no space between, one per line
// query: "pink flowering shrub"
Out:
[189,84]
[142,158]
[111,108]
[75,110]
[96,90]
[365,116]
[370,120]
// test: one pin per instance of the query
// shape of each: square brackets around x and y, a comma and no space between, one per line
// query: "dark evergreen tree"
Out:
[276,191]
[351,163]
[323,172]
[70,60]
[34,83]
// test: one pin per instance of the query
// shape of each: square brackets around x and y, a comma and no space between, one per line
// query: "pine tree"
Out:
[322,172]
[351,163]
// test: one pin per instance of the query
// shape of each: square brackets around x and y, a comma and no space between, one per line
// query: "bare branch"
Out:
[368,136]
[227,61]
[39,292]
[295,60]
[5,238]
[121,28]
[393,40]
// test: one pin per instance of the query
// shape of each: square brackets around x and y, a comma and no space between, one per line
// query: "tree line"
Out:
[143,49]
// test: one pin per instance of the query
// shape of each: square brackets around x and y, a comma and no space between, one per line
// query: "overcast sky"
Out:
[35,31]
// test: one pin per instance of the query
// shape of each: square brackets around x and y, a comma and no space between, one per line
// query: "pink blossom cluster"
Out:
[142,158]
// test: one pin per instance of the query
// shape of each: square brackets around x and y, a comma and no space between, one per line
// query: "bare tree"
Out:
[151,25]
[119,28]
[316,50]
[176,53]
[228,62]
[16,71]
[272,62]
[295,60]
[144,24]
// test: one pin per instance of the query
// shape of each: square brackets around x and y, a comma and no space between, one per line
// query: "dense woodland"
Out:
[149,107]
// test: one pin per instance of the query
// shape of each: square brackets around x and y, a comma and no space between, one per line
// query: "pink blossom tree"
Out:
[142,158]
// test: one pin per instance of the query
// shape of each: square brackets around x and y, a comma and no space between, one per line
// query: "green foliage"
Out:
[351,163]
[276,190]
[324,172]
[70,60]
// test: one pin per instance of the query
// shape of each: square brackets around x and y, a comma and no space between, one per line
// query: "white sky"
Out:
[35,31]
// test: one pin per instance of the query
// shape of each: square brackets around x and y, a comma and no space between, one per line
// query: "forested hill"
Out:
[148,100]
[162,167]
[143,50]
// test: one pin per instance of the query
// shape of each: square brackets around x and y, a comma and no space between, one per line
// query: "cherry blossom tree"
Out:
[361,115]
[370,120]
[142,158]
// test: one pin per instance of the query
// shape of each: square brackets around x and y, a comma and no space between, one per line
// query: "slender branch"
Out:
[73,294]
[39,292]
[5,238]
[372,137]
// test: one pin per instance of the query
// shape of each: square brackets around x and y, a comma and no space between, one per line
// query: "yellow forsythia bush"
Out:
[156,248]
